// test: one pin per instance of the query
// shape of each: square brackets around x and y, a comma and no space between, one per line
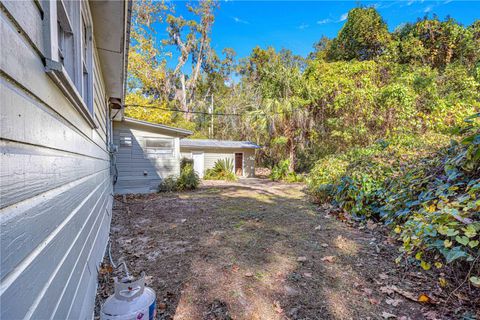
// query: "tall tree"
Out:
[364,36]
[191,38]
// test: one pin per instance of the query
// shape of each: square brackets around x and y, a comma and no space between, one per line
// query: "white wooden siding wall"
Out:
[56,201]
[214,154]
[132,163]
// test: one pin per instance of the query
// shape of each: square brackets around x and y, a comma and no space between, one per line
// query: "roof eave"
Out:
[179,131]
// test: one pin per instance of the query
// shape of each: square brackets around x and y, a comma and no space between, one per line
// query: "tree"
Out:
[364,36]
[192,40]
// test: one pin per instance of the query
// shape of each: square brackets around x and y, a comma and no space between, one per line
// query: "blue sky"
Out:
[296,25]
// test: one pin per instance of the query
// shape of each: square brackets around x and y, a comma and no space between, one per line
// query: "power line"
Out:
[196,112]
[183,111]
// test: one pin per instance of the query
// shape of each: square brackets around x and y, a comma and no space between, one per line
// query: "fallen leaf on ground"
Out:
[106,268]
[367,291]
[393,302]
[383,276]
[328,259]
[278,308]
[423,298]
[386,289]
[387,315]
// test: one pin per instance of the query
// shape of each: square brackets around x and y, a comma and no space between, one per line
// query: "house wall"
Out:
[55,183]
[212,155]
[131,161]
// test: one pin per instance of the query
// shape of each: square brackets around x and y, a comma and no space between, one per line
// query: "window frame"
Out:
[78,22]
[156,152]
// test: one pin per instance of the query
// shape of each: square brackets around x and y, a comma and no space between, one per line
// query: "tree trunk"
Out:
[292,155]
[183,99]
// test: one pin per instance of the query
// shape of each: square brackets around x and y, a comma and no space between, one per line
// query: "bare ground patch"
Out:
[258,250]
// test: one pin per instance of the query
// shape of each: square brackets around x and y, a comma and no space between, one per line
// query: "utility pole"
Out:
[210,110]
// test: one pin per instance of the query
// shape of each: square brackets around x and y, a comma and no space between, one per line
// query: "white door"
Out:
[198,163]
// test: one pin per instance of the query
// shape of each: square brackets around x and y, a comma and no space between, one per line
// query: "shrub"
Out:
[281,172]
[168,184]
[187,180]
[184,162]
[427,192]
[222,170]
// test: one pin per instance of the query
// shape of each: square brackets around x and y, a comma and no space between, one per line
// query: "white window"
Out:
[125,140]
[69,59]
[158,146]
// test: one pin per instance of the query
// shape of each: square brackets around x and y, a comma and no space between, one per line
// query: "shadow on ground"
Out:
[254,249]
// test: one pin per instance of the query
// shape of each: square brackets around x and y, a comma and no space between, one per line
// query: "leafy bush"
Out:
[187,180]
[184,162]
[168,184]
[428,192]
[222,170]
[281,172]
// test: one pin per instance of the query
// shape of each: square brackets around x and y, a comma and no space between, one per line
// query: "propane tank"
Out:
[130,301]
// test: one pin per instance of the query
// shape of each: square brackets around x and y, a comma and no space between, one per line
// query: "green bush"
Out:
[184,162]
[187,180]
[281,172]
[424,189]
[222,170]
[168,184]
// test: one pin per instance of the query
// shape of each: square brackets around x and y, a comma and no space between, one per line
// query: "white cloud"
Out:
[344,16]
[427,9]
[238,20]
[303,26]
[324,21]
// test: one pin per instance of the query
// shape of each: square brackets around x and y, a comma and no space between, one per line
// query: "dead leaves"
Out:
[330,259]
[422,298]
[393,302]
[301,259]
[386,315]
[105,268]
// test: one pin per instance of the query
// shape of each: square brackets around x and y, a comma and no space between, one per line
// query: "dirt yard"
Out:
[259,250]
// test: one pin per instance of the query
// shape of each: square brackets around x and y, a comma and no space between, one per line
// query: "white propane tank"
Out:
[131,301]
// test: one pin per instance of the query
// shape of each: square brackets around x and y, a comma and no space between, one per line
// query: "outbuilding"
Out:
[146,154]
[205,152]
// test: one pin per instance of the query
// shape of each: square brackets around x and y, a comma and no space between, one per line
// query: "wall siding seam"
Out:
[8,212]
[25,37]
[28,94]
[61,151]
[40,296]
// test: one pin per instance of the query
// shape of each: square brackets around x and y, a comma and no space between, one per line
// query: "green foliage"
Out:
[282,172]
[363,37]
[427,192]
[187,180]
[222,170]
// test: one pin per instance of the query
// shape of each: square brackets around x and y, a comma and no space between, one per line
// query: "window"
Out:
[158,146]
[125,140]
[70,58]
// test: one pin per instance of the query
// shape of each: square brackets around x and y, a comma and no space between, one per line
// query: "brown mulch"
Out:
[257,249]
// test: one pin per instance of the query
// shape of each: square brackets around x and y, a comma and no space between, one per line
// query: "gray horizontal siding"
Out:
[132,163]
[55,183]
